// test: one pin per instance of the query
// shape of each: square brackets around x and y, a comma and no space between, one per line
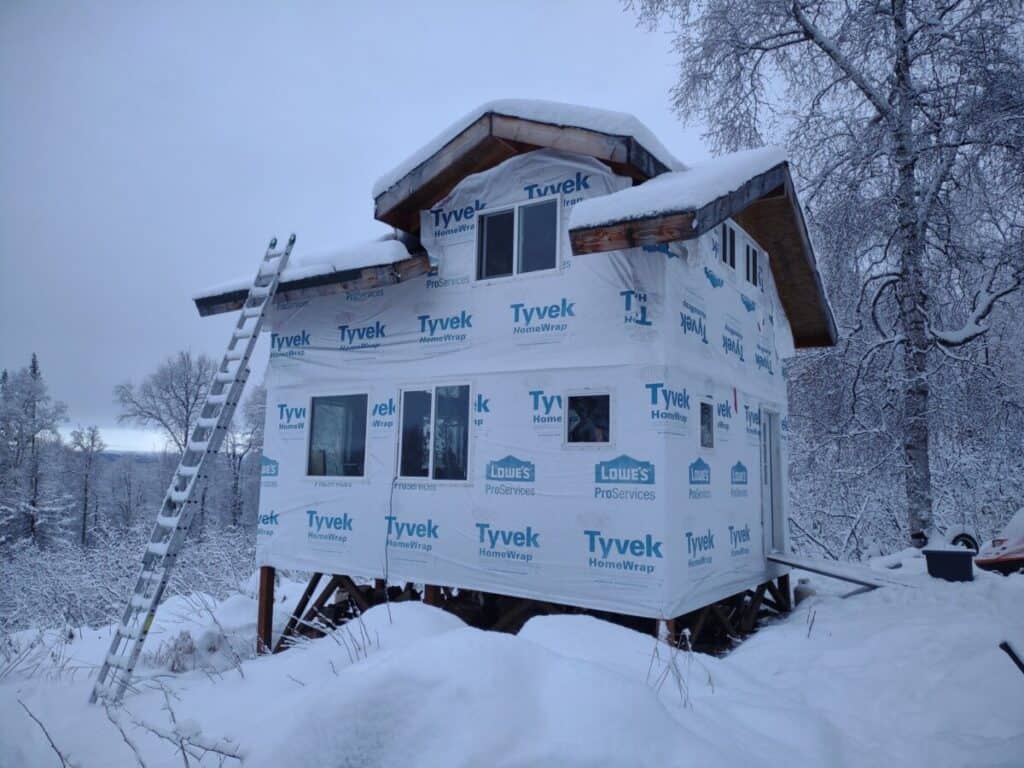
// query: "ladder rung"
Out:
[129,634]
[225,377]
[115,660]
[178,497]
[217,399]
[198,445]
[207,422]
[252,311]
[140,601]
[234,354]
[167,522]
[158,548]
[260,291]
[185,471]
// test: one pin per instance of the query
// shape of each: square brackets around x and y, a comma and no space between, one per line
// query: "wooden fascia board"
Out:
[459,147]
[832,332]
[426,184]
[331,283]
[682,224]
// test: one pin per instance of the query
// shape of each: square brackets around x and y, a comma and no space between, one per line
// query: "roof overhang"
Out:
[327,284]
[491,139]
[766,207]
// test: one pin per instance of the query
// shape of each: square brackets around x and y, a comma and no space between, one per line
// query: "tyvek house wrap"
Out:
[608,526]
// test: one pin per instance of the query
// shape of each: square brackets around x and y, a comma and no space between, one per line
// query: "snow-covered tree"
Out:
[127,491]
[170,398]
[243,439]
[85,446]
[30,421]
[906,123]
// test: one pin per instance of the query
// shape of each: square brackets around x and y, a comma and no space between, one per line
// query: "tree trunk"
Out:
[912,298]
[85,508]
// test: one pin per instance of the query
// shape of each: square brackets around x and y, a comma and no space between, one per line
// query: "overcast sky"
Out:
[149,151]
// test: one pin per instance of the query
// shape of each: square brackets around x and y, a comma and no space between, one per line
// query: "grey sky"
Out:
[148,151]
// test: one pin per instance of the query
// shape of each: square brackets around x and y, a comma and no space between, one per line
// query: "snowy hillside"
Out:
[909,677]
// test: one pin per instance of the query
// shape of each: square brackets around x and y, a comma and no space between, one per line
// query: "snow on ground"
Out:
[899,676]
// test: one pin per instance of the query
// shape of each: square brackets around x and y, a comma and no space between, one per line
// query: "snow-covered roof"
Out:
[677,191]
[553,112]
[369,254]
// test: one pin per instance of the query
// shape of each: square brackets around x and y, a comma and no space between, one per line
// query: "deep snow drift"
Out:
[900,676]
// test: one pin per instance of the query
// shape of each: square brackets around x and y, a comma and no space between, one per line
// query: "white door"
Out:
[772,512]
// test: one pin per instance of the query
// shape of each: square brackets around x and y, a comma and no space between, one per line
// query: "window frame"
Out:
[752,251]
[728,254]
[470,442]
[710,403]
[515,208]
[588,392]
[366,437]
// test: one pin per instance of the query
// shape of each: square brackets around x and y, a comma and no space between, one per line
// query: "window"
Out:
[496,249]
[588,419]
[707,425]
[518,240]
[728,246]
[337,442]
[435,433]
[752,268]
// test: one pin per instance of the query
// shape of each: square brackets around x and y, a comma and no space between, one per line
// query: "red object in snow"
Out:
[1006,552]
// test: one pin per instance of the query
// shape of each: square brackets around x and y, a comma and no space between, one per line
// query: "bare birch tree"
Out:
[170,398]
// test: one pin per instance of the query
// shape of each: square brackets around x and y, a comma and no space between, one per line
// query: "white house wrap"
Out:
[665,512]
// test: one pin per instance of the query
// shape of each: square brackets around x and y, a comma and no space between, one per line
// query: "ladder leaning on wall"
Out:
[178,507]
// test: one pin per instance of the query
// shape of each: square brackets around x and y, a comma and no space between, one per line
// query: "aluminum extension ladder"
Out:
[178,508]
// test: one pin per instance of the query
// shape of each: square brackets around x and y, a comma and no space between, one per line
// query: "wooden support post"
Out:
[321,601]
[723,618]
[289,629]
[265,610]
[698,626]
[749,618]
[354,594]
[787,593]
[431,594]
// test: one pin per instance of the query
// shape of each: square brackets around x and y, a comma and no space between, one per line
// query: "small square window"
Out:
[588,419]
[337,443]
[496,247]
[518,240]
[707,426]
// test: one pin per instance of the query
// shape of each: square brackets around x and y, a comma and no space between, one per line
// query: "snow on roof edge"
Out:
[370,254]
[558,113]
[677,191]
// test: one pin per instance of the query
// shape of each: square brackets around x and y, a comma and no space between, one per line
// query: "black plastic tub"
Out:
[950,564]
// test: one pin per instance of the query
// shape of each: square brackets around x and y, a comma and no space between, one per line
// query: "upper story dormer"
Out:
[516,189]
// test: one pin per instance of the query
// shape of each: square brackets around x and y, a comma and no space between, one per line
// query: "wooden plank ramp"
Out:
[851,572]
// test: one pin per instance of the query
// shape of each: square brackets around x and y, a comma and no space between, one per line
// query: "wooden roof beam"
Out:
[492,139]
